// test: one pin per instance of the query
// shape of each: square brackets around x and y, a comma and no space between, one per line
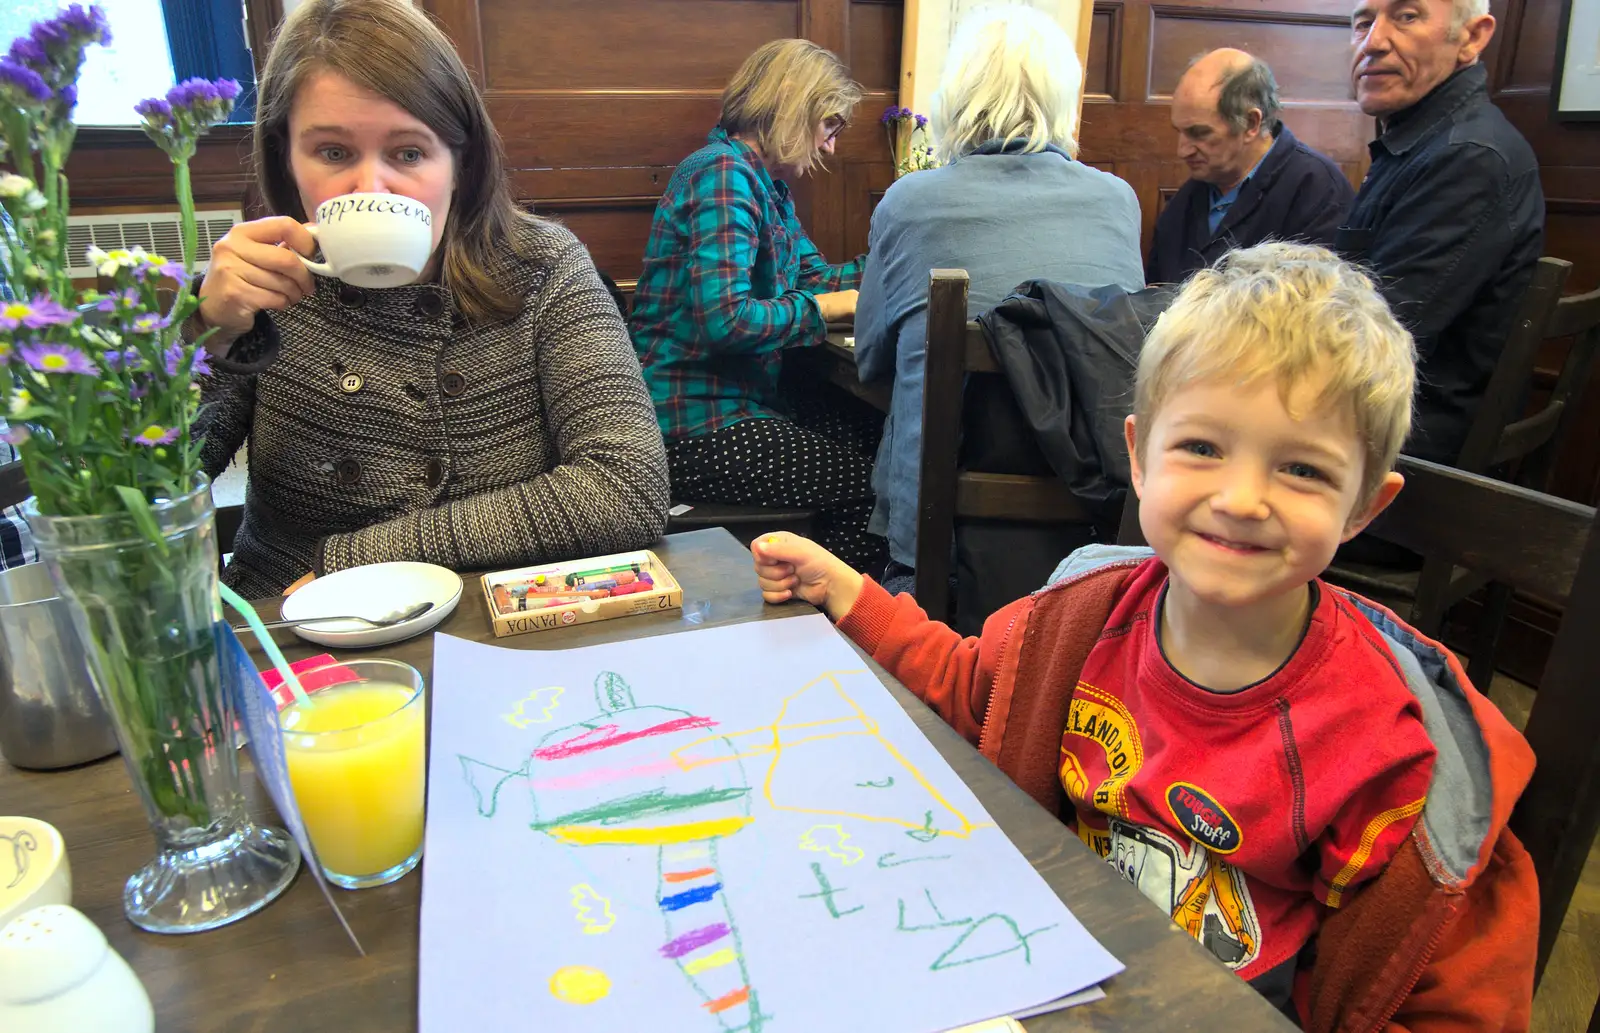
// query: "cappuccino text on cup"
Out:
[372,240]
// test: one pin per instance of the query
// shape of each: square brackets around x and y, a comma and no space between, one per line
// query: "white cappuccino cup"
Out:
[372,240]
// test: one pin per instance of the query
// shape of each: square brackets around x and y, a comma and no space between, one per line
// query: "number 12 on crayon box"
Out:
[563,595]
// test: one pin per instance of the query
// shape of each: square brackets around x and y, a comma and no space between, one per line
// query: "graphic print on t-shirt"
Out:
[1205,895]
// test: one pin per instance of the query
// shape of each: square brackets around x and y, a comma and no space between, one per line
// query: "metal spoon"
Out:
[388,620]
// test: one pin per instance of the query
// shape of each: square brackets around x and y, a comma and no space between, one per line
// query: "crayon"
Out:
[637,586]
[579,576]
[544,602]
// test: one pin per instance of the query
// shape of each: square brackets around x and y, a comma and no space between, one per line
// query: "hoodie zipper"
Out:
[1005,640]
[988,708]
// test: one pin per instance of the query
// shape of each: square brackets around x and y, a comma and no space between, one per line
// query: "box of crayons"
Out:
[563,595]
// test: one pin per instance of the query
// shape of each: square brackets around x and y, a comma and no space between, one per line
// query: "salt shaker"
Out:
[59,975]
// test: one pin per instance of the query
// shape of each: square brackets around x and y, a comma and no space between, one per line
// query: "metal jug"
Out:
[50,714]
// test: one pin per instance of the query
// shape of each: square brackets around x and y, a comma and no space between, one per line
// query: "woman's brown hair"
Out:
[395,51]
[781,93]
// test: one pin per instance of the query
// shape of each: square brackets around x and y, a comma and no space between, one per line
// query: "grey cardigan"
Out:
[381,427]
[1004,218]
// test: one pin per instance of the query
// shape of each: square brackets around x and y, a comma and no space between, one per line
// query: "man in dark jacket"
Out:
[1249,178]
[1451,215]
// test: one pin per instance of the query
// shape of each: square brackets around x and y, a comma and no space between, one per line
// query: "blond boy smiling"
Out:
[1302,782]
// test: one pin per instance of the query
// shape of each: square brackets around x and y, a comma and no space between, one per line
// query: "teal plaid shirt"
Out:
[726,286]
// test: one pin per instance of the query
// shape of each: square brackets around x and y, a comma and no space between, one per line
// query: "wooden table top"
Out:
[835,362]
[290,967]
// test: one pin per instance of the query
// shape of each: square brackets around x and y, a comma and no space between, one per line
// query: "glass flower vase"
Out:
[146,606]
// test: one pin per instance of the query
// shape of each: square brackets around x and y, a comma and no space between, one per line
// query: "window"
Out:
[154,43]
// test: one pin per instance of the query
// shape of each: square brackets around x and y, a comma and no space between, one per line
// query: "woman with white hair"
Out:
[1010,204]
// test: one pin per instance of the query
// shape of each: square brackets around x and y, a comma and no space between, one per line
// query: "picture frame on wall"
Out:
[1575,89]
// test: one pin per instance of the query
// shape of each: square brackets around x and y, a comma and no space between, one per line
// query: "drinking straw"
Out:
[264,636]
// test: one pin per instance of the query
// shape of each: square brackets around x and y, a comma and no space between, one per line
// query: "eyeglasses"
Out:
[834,124]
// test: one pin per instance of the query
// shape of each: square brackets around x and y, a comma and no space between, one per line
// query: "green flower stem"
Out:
[191,229]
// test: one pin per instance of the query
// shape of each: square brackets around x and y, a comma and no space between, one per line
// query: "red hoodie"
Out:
[1443,940]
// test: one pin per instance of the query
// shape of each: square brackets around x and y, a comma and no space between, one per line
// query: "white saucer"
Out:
[375,590]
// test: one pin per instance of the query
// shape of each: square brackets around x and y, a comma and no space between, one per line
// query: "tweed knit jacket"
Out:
[382,427]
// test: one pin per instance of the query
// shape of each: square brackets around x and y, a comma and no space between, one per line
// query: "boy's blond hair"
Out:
[1290,312]
[781,94]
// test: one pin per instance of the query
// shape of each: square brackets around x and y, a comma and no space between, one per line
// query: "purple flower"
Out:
[202,364]
[922,120]
[191,92]
[153,108]
[150,323]
[203,102]
[123,299]
[57,358]
[25,50]
[16,434]
[154,435]
[68,95]
[890,113]
[173,271]
[39,312]
[22,84]
[88,25]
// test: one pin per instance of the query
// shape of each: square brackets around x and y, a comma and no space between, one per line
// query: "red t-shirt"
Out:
[1243,813]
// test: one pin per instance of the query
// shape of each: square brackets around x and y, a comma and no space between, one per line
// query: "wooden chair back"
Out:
[1548,547]
[957,349]
[1497,435]
[1533,441]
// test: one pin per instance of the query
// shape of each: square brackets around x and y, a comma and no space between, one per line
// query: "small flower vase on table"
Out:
[909,143]
[101,393]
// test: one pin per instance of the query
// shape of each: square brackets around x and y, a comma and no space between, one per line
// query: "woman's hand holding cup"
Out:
[255,267]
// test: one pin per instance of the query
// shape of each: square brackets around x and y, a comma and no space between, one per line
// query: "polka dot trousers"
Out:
[824,465]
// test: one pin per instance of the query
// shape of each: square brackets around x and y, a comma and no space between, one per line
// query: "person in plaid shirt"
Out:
[730,280]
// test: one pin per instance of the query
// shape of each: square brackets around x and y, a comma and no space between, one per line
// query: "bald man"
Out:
[1249,178]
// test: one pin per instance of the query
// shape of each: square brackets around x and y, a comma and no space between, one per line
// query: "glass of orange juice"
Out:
[357,755]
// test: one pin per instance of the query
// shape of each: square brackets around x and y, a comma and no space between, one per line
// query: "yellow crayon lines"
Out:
[594,911]
[716,959]
[653,835]
[535,708]
[831,840]
[771,740]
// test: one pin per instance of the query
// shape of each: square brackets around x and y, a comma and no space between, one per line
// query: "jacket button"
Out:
[348,472]
[453,383]
[430,305]
[355,297]
[435,473]
[350,383]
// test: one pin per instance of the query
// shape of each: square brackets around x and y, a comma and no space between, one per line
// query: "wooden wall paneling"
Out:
[1309,53]
[460,21]
[121,167]
[561,45]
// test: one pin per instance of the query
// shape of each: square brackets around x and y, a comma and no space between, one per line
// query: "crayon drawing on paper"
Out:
[636,836]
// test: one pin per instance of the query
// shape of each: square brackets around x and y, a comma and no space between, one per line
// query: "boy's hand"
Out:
[789,566]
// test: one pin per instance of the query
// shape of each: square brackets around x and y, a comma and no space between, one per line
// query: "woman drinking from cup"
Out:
[465,393]
[730,280]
